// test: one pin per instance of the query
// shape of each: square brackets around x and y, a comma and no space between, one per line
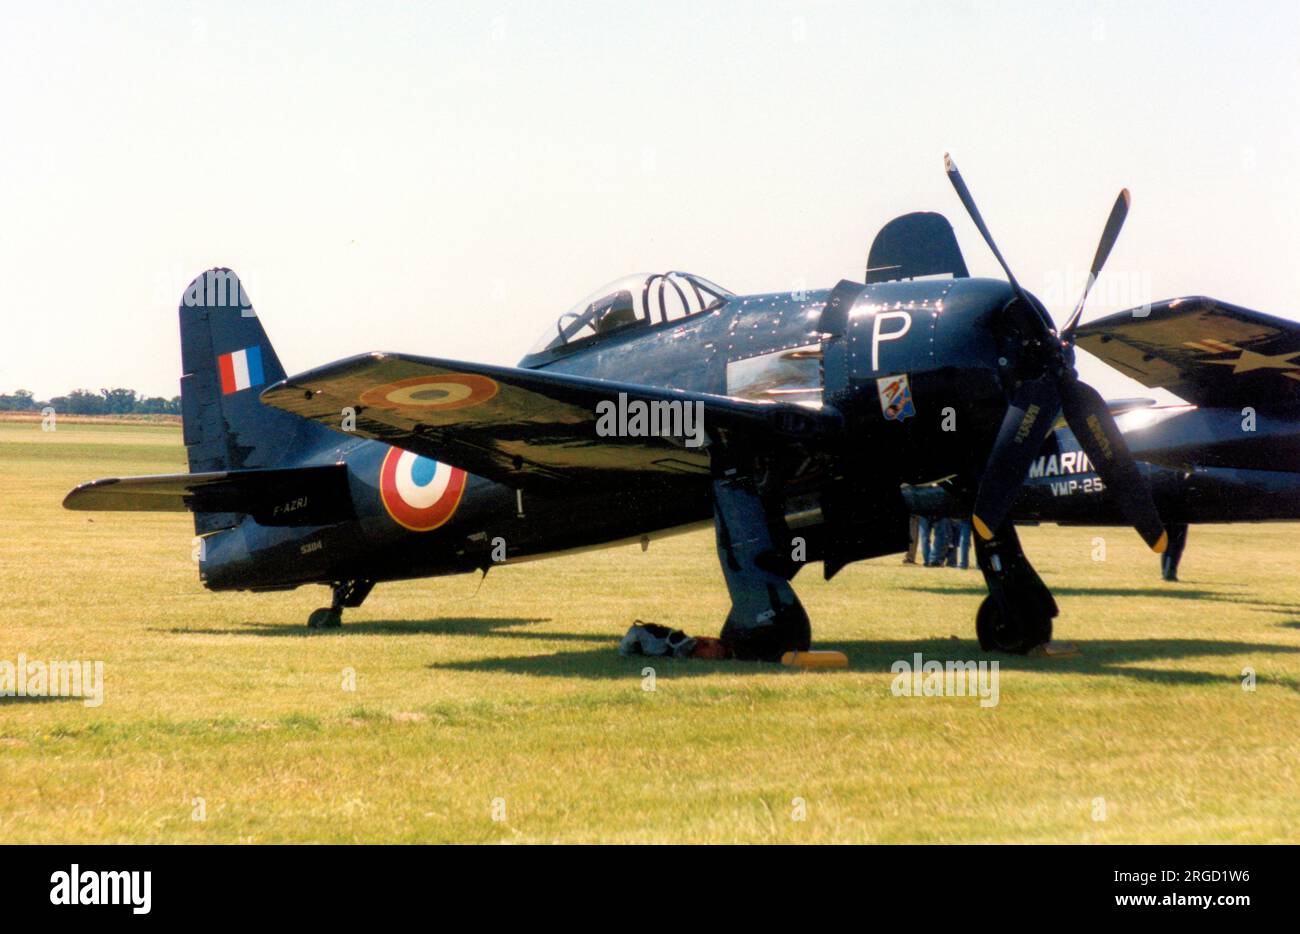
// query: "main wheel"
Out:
[325,618]
[788,631]
[1017,635]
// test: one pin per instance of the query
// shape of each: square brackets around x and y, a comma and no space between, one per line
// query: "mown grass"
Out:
[514,693]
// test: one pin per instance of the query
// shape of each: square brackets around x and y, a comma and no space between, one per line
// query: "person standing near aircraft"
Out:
[913,537]
[924,535]
[938,553]
[1174,553]
[961,531]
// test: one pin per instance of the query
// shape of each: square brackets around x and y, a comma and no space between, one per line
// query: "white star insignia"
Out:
[1248,360]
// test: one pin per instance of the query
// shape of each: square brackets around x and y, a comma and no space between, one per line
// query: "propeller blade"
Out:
[1028,421]
[1029,418]
[1099,436]
[968,202]
[1109,235]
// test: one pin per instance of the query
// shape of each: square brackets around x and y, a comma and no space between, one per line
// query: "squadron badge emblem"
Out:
[895,397]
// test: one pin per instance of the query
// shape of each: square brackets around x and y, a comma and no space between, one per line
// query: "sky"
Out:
[446,179]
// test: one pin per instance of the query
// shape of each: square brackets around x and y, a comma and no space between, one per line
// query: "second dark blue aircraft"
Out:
[794,423]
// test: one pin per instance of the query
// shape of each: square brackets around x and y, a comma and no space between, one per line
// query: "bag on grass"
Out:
[653,639]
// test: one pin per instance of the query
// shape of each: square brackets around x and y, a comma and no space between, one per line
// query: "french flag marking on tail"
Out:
[241,369]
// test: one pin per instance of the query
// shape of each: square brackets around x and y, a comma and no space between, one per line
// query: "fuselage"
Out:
[771,346]
[1202,467]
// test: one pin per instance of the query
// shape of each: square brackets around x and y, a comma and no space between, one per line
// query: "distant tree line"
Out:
[86,402]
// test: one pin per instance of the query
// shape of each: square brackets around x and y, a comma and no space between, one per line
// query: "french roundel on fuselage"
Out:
[419,493]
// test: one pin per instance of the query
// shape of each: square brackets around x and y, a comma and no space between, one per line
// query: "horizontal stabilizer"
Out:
[284,496]
[534,429]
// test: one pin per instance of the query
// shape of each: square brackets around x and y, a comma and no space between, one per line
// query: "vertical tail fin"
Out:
[227,360]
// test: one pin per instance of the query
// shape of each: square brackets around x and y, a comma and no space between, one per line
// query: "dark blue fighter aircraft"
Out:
[1187,482]
[1228,454]
[794,423]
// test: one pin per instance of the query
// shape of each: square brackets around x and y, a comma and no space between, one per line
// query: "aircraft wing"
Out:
[290,496]
[1203,350]
[532,429]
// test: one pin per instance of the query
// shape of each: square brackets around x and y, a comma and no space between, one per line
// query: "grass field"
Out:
[512,702]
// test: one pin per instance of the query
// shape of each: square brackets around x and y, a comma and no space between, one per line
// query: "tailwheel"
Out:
[347,593]
[1017,635]
[327,617]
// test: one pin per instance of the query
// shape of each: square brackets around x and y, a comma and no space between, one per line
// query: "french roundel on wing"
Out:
[442,393]
[419,493]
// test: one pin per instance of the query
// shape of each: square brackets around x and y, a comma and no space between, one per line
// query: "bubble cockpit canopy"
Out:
[639,300]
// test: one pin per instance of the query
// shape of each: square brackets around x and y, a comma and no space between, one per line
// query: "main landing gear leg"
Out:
[1017,614]
[766,618]
[346,594]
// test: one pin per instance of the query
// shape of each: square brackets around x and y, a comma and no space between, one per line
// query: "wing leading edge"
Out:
[532,429]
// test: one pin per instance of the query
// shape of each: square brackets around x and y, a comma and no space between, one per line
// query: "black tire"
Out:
[1016,636]
[790,631]
[325,618]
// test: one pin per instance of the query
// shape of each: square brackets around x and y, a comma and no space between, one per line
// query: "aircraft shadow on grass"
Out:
[1169,591]
[1110,658]
[500,627]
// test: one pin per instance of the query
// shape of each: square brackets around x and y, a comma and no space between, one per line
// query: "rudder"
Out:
[226,360]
